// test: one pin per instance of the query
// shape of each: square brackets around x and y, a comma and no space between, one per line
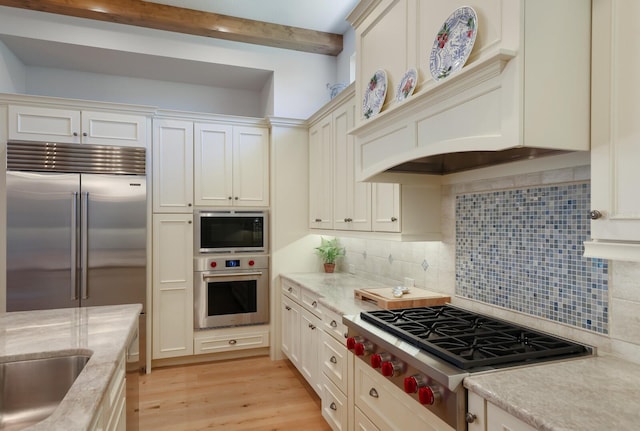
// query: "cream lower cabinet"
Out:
[615,132]
[230,339]
[172,285]
[74,126]
[301,328]
[489,417]
[362,423]
[387,407]
[111,414]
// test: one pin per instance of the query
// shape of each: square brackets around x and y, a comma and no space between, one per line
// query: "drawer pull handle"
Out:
[232,342]
[333,324]
[333,360]
[312,326]
[318,220]
[333,406]
[394,219]
[314,304]
[286,307]
[290,289]
[373,393]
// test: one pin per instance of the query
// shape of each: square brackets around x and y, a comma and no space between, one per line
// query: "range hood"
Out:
[496,110]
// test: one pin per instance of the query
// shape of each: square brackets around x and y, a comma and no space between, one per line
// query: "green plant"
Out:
[329,250]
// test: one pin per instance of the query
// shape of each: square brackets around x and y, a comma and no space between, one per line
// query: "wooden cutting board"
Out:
[383,298]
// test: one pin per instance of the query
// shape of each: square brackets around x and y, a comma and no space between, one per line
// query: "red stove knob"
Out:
[213,264]
[352,341]
[363,348]
[412,383]
[391,368]
[251,263]
[428,395]
[378,358]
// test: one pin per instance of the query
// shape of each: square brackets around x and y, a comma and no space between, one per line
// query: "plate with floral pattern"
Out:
[375,94]
[407,85]
[453,43]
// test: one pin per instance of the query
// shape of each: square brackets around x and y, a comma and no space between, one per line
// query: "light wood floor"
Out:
[249,394]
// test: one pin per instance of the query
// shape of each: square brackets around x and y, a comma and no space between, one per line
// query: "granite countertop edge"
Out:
[102,332]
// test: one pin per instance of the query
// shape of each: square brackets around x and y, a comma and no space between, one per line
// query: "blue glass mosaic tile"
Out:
[522,249]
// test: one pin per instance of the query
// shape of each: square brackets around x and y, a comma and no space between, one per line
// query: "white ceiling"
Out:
[320,15]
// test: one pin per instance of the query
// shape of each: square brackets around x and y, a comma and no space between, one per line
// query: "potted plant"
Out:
[329,251]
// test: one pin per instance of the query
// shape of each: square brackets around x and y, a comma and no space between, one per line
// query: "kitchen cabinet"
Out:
[230,339]
[301,326]
[172,166]
[362,423]
[489,417]
[111,415]
[615,133]
[321,174]
[37,123]
[172,285]
[387,407]
[231,165]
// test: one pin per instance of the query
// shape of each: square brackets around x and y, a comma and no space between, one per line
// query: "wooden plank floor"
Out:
[249,394]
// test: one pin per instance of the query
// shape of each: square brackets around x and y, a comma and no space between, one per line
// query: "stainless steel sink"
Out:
[32,389]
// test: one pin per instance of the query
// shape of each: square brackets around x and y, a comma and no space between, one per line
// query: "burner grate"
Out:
[469,340]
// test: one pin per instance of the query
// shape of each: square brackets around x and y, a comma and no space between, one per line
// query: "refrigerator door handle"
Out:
[74,246]
[84,233]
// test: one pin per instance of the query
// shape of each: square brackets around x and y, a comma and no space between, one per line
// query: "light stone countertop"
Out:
[595,393]
[103,332]
[336,290]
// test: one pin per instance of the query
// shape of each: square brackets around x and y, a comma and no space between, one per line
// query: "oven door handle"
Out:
[235,275]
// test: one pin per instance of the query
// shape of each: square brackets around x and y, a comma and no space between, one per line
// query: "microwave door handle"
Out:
[235,275]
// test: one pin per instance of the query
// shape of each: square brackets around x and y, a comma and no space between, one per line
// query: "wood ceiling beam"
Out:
[189,21]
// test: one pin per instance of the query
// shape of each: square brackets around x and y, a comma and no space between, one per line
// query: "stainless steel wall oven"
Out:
[231,290]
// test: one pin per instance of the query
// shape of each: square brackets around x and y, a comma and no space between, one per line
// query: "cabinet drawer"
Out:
[290,289]
[334,406]
[332,324]
[333,359]
[498,419]
[363,423]
[310,301]
[230,339]
[387,406]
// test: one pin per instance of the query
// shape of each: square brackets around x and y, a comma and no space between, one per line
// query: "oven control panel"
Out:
[230,262]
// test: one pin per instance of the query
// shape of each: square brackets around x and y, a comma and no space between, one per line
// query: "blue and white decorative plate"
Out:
[453,43]
[407,84]
[375,94]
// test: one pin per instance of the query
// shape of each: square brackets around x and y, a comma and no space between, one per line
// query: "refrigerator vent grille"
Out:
[80,158]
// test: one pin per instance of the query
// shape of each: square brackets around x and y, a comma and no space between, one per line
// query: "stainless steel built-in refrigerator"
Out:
[76,227]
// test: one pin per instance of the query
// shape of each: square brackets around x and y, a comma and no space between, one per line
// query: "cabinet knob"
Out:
[333,406]
[290,289]
[189,205]
[595,214]
[312,326]
[318,220]
[333,324]
[333,360]
[470,418]
[286,307]
[232,342]
[394,219]
[236,198]
[230,198]
[75,133]
[84,133]
[189,222]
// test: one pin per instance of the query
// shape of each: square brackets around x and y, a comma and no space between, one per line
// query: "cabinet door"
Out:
[321,175]
[172,285]
[386,207]
[32,123]
[352,200]
[309,349]
[615,130]
[112,128]
[291,330]
[500,420]
[250,166]
[213,164]
[172,166]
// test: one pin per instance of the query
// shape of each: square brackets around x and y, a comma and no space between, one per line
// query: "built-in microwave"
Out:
[231,231]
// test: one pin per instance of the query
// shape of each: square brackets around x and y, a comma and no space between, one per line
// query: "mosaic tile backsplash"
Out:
[522,249]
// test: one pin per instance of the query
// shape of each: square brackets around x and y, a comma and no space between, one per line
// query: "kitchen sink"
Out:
[33,388]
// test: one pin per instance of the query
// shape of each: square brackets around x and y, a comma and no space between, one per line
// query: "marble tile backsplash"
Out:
[521,249]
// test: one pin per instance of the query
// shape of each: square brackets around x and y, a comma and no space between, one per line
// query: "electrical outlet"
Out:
[352,268]
[409,282]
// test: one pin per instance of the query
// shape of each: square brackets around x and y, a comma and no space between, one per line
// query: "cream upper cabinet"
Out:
[172,166]
[351,199]
[615,139]
[36,123]
[172,285]
[321,174]
[386,208]
[231,165]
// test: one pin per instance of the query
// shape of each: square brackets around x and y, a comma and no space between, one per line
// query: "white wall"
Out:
[299,84]
[121,89]
[12,72]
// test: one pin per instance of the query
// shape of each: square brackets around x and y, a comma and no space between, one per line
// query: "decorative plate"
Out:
[407,84]
[453,43]
[375,94]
